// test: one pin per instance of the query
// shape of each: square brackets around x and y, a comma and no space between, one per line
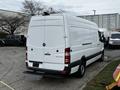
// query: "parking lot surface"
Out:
[12,76]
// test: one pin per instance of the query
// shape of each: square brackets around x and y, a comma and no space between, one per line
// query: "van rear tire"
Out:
[81,71]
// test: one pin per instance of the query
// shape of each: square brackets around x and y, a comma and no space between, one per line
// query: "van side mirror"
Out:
[101,37]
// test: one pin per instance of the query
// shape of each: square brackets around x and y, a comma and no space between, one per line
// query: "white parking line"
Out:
[7,85]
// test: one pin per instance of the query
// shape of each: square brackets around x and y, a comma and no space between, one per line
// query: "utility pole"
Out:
[94,12]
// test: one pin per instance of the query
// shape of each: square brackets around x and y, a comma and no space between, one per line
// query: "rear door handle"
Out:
[47,54]
[86,43]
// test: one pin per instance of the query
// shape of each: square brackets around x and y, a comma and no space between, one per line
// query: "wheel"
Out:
[81,71]
[110,46]
[102,57]
[1,43]
[34,71]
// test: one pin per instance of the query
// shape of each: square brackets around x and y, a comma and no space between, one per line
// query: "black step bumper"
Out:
[66,70]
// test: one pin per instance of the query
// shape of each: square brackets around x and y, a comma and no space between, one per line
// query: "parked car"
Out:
[62,44]
[14,40]
[114,39]
[1,43]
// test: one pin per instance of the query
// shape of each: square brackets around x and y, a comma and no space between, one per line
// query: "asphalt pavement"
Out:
[12,76]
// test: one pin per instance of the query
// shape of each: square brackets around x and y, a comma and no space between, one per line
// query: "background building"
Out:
[109,21]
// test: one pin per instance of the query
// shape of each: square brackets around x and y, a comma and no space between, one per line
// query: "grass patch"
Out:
[103,78]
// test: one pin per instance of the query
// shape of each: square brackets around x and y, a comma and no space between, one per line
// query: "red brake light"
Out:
[67,55]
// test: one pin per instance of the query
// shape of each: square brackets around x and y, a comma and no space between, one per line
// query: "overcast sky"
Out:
[78,6]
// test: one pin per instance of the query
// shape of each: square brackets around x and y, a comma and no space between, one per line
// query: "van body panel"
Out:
[49,36]
[34,46]
[84,39]
[46,42]
[55,44]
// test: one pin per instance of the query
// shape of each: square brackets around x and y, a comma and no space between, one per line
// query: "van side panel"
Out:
[49,36]
[84,39]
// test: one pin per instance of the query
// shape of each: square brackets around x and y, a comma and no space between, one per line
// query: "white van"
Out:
[62,44]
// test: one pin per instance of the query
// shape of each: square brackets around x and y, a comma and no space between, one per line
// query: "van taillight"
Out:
[67,55]
[26,54]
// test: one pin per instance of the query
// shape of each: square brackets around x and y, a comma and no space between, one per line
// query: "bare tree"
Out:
[33,7]
[51,10]
[13,24]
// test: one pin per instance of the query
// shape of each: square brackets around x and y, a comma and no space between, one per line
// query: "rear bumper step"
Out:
[33,73]
[44,75]
[66,71]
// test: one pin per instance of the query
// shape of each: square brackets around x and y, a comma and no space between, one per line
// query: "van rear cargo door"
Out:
[35,41]
[54,40]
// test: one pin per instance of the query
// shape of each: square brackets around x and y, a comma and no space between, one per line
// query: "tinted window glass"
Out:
[115,36]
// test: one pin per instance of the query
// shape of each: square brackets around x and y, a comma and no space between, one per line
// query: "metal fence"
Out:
[109,21]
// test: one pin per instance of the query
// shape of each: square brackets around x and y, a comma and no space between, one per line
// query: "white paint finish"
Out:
[54,57]
[81,32]
[54,36]
[36,55]
[34,43]
[30,64]
[53,66]
[54,39]
[74,69]
[92,60]
[60,32]
[34,38]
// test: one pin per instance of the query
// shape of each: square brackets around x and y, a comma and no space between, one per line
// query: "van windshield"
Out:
[115,36]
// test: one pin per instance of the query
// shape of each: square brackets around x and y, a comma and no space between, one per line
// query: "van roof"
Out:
[65,15]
